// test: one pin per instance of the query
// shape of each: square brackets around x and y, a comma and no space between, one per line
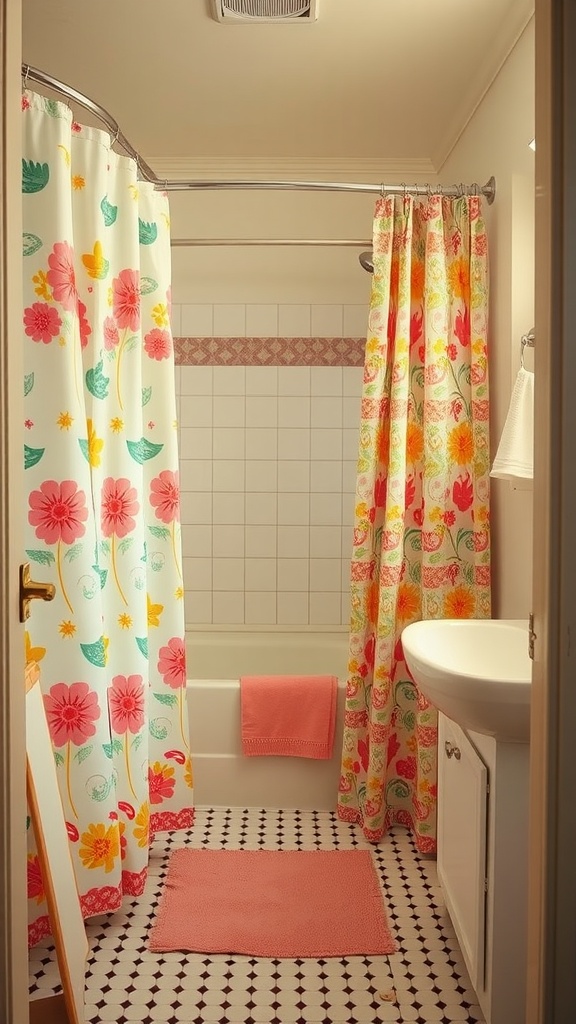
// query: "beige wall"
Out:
[496,142]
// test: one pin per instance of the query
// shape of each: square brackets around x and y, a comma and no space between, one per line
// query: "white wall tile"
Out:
[261,574]
[195,411]
[346,608]
[325,444]
[294,411]
[293,509]
[229,410]
[348,506]
[195,508]
[261,475]
[325,609]
[325,541]
[197,573]
[196,321]
[176,320]
[196,474]
[351,411]
[293,574]
[293,443]
[195,442]
[352,380]
[293,321]
[228,475]
[261,380]
[260,609]
[229,380]
[261,509]
[260,541]
[196,380]
[293,542]
[325,476]
[261,443]
[345,579]
[326,380]
[325,575]
[326,321]
[228,608]
[228,542]
[347,541]
[349,475]
[355,321]
[198,607]
[326,509]
[294,380]
[261,411]
[261,320]
[228,509]
[228,443]
[293,476]
[350,443]
[228,574]
[292,609]
[197,541]
[326,411]
[230,320]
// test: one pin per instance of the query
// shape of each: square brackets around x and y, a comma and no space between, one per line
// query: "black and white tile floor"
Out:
[424,982]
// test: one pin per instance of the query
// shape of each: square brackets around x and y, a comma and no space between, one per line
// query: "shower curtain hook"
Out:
[382,193]
[26,73]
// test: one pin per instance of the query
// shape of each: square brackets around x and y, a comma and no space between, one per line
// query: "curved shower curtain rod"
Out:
[451,191]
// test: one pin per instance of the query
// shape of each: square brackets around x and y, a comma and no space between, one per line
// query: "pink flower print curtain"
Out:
[102,508]
[421,534]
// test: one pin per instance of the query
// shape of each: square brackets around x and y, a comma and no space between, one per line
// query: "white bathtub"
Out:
[222,775]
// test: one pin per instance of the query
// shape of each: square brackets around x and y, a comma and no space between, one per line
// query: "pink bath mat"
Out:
[270,903]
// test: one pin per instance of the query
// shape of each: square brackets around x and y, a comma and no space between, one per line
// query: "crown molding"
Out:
[362,169]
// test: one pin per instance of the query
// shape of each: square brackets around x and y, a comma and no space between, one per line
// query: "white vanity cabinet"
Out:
[483,862]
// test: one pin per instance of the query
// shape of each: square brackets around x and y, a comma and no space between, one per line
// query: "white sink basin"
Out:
[476,671]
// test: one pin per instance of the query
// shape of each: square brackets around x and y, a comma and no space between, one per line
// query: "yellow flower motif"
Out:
[439,347]
[424,786]
[101,846]
[78,182]
[154,612]
[373,784]
[435,514]
[105,645]
[179,593]
[160,315]
[116,425]
[42,287]
[65,421]
[481,514]
[372,345]
[393,513]
[348,763]
[188,774]
[361,510]
[411,744]
[166,219]
[32,653]
[65,154]
[401,346]
[478,346]
[142,830]
[110,296]
[66,628]
[134,191]
[62,341]
[95,445]
[124,621]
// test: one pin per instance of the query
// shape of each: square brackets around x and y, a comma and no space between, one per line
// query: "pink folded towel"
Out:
[289,715]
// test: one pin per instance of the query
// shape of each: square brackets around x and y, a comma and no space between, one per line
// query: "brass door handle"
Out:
[31,590]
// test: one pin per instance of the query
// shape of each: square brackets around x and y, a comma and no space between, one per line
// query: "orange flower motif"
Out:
[35,883]
[417,280]
[459,277]
[372,602]
[142,830]
[101,846]
[459,603]
[461,444]
[414,443]
[188,773]
[408,602]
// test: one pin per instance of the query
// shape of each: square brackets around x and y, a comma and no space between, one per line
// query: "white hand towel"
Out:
[515,455]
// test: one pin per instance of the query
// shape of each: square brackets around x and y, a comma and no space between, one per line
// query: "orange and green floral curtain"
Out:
[421,534]
[102,502]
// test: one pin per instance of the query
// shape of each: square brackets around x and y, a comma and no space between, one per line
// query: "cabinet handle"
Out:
[452,750]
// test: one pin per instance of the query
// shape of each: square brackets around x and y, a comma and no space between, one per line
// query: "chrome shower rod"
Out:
[31,74]
[189,242]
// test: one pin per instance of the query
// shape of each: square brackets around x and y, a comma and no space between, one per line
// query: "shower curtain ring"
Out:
[26,73]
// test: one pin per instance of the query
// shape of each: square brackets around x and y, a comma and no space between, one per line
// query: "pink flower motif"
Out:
[126,299]
[165,496]
[58,511]
[111,336]
[158,344]
[41,322]
[61,276]
[119,505]
[71,712]
[85,329]
[28,424]
[75,127]
[172,663]
[25,103]
[126,703]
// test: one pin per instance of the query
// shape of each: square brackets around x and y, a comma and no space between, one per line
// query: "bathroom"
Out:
[285,594]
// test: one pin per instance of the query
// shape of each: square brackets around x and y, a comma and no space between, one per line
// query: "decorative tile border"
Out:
[269,351]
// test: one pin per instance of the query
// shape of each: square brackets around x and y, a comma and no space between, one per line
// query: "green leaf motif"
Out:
[142,642]
[148,231]
[169,699]
[30,244]
[147,285]
[29,819]
[160,531]
[83,442]
[35,176]
[32,456]
[107,748]
[157,729]
[131,343]
[28,385]
[95,653]
[125,545]
[83,753]
[137,741]
[73,552]
[109,212]
[42,557]
[103,573]
[117,746]
[101,790]
[105,547]
[58,759]
[96,382]
[146,396]
[143,450]
[52,107]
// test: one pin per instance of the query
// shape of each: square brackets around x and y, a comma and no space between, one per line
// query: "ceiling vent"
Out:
[250,12]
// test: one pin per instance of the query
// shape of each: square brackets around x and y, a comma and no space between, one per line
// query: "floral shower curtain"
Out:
[102,515]
[421,536]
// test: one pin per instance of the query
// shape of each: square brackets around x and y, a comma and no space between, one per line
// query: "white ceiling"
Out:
[371,79]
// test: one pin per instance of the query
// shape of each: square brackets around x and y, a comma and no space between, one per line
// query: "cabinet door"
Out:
[462,819]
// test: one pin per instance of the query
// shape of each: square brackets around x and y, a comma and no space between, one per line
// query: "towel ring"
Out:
[527,340]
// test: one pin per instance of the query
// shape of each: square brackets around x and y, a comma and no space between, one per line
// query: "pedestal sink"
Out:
[476,671]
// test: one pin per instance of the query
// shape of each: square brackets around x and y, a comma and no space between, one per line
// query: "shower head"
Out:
[366,261]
